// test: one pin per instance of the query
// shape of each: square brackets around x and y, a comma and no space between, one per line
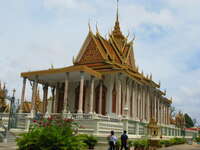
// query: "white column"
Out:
[23,95]
[166,113]
[158,109]
[56,98]
[133,101]
[45,95]
[143,102]
[100,97]
[53,99]
[80,106]
[169,110]
[163,114]
[151,102]
[138,102]
[149,109]
[119,96]
[127,104]
[154,102]
[91,95]
[157,101]
[148,105]
[66,93]
[34,93]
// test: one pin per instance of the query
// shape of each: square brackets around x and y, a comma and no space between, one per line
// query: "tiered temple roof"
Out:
[111,55]
[99,56]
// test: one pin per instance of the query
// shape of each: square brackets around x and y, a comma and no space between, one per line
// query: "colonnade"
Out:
[55,95]
[143,102]
[136,101]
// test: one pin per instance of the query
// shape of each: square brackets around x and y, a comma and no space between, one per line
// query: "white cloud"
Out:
[64,5]
[167,39]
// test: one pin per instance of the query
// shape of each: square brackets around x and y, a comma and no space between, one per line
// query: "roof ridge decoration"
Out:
[116,49]
[117,31]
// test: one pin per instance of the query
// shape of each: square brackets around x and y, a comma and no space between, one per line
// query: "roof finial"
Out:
[117,32]
[97,30]
[117,16]
[89,26]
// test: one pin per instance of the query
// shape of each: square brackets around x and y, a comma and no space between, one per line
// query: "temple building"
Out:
[103,86]
[4,104]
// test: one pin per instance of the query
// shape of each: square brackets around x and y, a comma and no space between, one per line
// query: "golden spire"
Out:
[117,32]
[117,16]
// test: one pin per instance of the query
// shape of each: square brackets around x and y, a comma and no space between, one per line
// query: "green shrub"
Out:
[90,140]
[118,144]
[130,143]
[143,143]
[197,139]
[173,141]
[52,134]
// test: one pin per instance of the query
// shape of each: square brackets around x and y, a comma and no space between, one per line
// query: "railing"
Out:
[18,120]
[3,129]
[85,116]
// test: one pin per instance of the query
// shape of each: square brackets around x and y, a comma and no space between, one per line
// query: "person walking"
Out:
[112,140]
[124,141]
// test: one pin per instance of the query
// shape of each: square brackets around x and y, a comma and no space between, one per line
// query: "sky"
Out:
[34,34]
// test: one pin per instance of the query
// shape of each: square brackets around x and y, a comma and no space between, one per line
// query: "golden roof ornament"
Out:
[171,99]
[147,76]
[97,30]
[165,92]
[128,35]
[151,76]
[73,60]
[117,31]
[89,27]
[137,68]
[52,67]
[159,83]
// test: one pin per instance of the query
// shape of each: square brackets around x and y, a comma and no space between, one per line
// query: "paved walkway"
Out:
[12,146]
[8,146]
[182,147]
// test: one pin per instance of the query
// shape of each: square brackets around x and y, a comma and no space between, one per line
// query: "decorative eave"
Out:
[63,70]
[165,99]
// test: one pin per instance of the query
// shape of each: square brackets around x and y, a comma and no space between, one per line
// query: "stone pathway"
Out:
[12,146]
[182,147]
[8,146]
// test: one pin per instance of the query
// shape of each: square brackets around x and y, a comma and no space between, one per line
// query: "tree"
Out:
[194,121]
[188,121]
[173,111]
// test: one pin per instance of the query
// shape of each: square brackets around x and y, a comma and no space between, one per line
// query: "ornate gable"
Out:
[90,53]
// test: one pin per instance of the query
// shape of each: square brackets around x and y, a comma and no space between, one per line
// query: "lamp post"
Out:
[12,100]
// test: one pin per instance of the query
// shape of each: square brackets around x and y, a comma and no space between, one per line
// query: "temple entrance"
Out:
[104,92]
